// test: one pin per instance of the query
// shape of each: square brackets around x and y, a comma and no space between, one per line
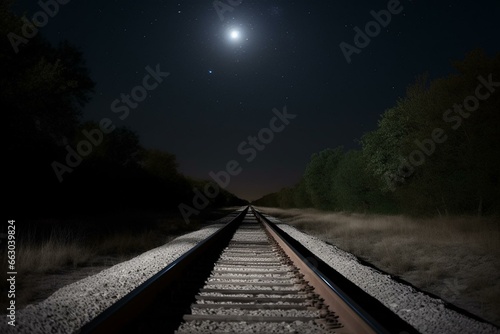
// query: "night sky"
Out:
[226,75]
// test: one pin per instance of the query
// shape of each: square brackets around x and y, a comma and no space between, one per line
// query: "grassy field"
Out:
[456,258]
[53,253]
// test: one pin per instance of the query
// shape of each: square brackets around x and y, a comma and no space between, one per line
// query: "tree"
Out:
[285,198]
[43,89]
[161,164]
[457,172]
[270,200]
[355,187]
[318,177]
[301,197]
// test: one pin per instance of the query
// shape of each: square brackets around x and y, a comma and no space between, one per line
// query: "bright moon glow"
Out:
[235,34]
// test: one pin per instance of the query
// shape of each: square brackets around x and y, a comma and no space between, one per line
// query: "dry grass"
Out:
[456,258]
[58,251]
[66,251]
[63,251]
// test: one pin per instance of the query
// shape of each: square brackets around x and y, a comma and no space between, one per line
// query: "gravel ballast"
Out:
[230,316]
[309,327]
[72,306]
[427,314]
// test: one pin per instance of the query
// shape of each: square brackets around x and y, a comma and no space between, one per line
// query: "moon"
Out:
[234,34]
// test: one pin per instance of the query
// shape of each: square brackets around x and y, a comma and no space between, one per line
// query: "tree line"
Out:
[43,91]
[435,152]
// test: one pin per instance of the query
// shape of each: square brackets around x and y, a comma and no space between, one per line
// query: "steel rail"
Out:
[357,310]
[128,308]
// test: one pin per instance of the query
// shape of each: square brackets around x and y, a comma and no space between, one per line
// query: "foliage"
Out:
[43,90]
[318,177]
[425,157]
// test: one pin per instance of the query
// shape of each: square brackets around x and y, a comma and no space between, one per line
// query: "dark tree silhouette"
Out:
[427,156]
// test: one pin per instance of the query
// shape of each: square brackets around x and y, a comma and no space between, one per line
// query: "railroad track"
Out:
[255,282]
[249,277]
